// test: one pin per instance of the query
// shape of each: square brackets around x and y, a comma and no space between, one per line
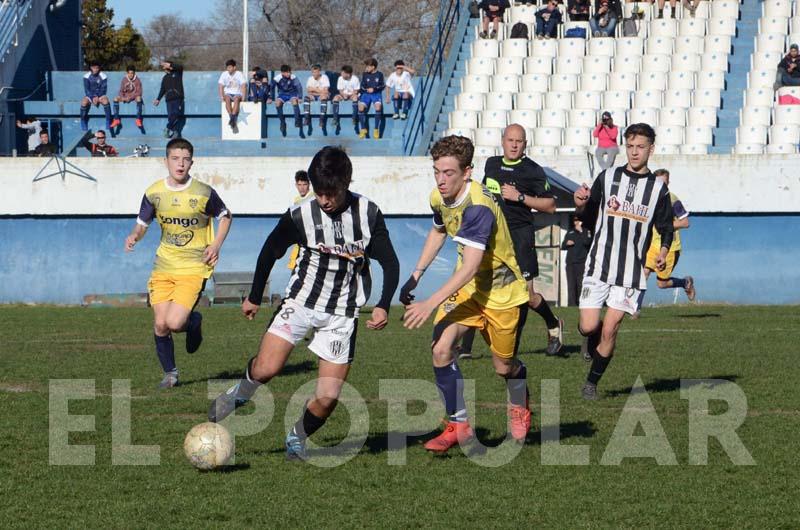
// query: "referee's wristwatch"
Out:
[521,197]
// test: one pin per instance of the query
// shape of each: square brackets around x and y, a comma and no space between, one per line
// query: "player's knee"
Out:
[442,352]
[262,370]
[664,284]
[504,370]
[161,327]
[176,323]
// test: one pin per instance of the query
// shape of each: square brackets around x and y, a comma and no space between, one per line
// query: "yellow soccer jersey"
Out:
[678,212]
[186,217]
[296,249]
[475,220]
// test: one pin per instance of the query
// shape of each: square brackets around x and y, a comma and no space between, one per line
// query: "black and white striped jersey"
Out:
[623,207]
[332,273]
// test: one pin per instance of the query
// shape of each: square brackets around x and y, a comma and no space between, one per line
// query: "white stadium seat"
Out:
[702,11]
[596,82]
[539,65]
[782,149]
[652,81]
[553,118]
[672,116]
[494,118]
[564,82]
[569,65]
[681,80]
[663,27]
[620,99]
[656,63]
[543,48]
[597,64]
[715,62]
[488,136]
[601,47]
[529,119]
[480,66]
[666,149]
[572,150]
[784,134]
[629,46]
[694,149]
[755,116]
[748,149]
[529,101]
[582,118]
[499,101]
[692,27]
[571,47]
[659,45]
[777,25]
[535,83]
[558,100]
[485,151]
[486,48]
[510,65]
[648,116]
[678,98]
[702,117]
[722,26]
[581,136]
[514,48]
[523,13]
[777,8]
[467,133]
[648,99]
[467,101]
[505,83]
[463,119]
[770,42]
[542,151]
[753,134]
[698,135]
[685,62]
[689,44]
[761,78]
[669,135]
[717,44]
[759,97]
[789,90]
[765,60]
[794,23]
[707,97]
[711,80]
[586,99]
[544,136]
[725,9]
[629,64]
[476,84]
[787,115]
[622,81]
[620,115]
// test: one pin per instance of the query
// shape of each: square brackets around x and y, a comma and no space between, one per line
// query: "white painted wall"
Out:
[400,185]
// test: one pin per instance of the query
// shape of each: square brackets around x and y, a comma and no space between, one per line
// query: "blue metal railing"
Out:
[12,13]
[436,69]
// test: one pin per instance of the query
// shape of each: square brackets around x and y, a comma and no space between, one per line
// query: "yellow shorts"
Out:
[183,289]
[499,327]
[672,262]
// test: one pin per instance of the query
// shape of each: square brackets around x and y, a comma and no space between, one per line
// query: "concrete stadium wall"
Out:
[264,186]
[734,258]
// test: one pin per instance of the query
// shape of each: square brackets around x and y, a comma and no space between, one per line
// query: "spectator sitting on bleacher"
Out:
[45,148]
[347,87]
[232,90]
[318,88]
[492,12]
[691,5]
[259,88]
[285,87]
[400,80]
[789,67]
[33,127]
[606,15]
[579,10]
[673,4]
[172,91]
[606,133]
[372,86]
[99,148]
[547,21]
[95,87]
[130,89]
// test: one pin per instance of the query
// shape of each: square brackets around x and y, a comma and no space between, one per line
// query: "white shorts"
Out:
[334,336]
[595,293]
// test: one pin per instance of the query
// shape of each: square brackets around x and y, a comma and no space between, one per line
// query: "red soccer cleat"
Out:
[138,123]
[115,123]
[519,422]
[454,433]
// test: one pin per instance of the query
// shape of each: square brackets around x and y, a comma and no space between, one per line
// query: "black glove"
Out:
[405,291]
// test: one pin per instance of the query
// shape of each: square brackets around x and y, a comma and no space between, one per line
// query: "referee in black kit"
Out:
[520,186]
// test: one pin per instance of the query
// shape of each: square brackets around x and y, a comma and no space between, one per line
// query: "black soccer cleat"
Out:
[225,404]
[283,128]
[194,332]
[589,392]
[555,342]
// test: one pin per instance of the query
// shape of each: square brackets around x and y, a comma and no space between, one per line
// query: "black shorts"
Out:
[523,239]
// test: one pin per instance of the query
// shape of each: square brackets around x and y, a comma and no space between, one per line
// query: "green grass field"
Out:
[754,347]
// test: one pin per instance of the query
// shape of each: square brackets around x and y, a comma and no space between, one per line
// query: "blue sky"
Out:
[141,11]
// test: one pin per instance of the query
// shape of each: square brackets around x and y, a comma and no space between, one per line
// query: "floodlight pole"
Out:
[245,39]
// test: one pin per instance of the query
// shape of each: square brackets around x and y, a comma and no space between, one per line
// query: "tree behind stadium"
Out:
[113,48]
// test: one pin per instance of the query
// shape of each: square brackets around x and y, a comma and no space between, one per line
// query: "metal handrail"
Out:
[434,71]
[12,14]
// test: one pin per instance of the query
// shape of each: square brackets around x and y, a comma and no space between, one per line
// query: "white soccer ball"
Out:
[208,446]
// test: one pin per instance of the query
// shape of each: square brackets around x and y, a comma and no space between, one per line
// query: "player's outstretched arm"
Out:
[433,244]
[417,313]
[380,249]
[136,234]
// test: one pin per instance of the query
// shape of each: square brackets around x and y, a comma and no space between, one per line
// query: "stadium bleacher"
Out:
[673,75]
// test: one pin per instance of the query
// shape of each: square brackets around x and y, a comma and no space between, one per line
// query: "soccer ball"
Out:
[208,446]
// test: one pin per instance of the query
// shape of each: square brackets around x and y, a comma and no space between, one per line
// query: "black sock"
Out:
[467,340]
[679,283]
[165,348]
[599,365]
[308,424]
[543,309]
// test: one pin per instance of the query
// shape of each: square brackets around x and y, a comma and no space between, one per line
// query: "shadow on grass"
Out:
[289,369]
[233,468]
[565,353]
[668,385]
[701,315]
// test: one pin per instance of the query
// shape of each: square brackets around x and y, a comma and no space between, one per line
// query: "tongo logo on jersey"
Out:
[182,221]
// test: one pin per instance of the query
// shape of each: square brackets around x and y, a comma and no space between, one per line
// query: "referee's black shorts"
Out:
[523,239]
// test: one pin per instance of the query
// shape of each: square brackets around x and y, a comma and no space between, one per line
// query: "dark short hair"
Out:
[286,68]
[371,62]
[44,131]
[640,129]
[130,68]
[94,63]
[459,147]
[230,62]
[661,172]
[330,170]
[100,131]
[347,69]
[180,143]
[316,67]
[399,62]
[301,176]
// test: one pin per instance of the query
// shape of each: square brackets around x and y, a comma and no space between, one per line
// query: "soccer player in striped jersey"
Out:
[486,291]
[623,205]
[338,232]
[185,209]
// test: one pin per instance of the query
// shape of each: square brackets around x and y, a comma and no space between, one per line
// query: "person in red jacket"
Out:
[100,147]
[130,90]
[607,149]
